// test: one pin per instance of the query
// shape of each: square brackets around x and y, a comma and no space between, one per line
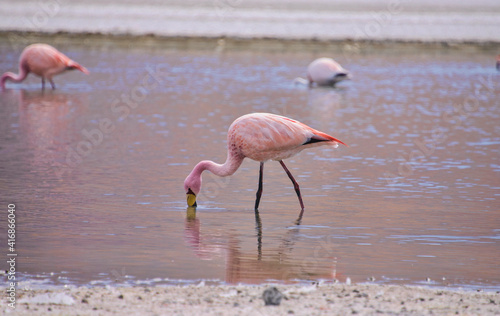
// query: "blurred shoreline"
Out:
[20,39]
[427,21]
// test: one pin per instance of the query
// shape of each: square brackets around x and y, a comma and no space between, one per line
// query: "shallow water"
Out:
[96,169]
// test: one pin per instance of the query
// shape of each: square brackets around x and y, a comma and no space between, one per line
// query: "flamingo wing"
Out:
[46,61]
[265,136]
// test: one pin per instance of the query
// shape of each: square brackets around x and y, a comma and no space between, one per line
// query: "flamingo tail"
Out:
[323,137]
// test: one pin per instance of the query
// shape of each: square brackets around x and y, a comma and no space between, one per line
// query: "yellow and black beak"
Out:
[191,198]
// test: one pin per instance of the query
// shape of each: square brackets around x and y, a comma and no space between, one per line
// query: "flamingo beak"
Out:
[191,198]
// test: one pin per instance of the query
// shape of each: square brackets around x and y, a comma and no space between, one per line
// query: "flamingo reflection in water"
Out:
[281,257]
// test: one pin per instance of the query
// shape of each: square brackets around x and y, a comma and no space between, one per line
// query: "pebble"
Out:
[272,296]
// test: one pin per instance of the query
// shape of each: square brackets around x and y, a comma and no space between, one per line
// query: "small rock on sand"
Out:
[272,296]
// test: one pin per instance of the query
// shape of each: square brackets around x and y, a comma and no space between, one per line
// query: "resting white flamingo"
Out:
[44,61]
[261,137]
[324,72]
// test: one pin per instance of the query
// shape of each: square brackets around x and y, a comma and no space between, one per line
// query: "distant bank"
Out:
[322,20]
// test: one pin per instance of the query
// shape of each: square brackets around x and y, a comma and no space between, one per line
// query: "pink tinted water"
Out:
[96,167]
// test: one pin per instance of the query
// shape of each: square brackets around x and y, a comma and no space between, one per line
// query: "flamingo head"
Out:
[192,187]
[74,65]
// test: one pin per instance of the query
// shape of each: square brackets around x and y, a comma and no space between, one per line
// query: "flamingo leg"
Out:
[259,190]
[295,186]
[258,227]
[43,83]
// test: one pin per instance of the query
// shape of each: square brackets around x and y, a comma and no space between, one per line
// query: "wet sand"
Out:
[329,299]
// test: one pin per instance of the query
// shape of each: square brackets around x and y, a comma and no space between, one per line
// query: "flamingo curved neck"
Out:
[13,77]
[232,164]
[300,80]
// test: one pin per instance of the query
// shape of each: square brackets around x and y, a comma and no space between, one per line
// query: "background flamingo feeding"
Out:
[44,61]
[324,72]
[261,137]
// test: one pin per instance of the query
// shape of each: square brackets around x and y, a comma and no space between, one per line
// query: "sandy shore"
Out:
[326,299]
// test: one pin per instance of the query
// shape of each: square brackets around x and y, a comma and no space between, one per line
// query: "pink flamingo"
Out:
[261,137]
[44,61]
[325,72]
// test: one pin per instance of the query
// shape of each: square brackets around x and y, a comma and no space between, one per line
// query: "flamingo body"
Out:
[44,61]
[264,136]
[260,137]
[326,72]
